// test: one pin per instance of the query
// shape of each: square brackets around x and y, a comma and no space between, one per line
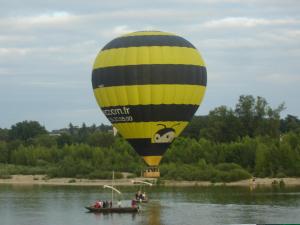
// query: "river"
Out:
[64,205]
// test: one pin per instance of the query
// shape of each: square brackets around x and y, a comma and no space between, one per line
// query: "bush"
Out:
[280,175]
[24,170]
[227,166]
[5,176]
[240,174]
[225,172]
[131,176]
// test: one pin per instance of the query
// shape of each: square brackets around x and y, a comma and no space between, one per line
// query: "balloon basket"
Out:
[151,172]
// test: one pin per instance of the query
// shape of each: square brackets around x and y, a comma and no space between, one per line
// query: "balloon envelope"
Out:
[149,85]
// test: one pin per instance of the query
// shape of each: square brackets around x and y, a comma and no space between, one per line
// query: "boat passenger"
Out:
[97,204]
[133,203]
[141,197]
[119,203]
[110,204]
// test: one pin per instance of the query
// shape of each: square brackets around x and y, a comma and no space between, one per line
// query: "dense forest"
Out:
[225,145]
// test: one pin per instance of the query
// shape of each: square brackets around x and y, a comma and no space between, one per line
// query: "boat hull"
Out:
[112,210]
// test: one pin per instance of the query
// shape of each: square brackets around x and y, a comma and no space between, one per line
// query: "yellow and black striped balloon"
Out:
[149,85]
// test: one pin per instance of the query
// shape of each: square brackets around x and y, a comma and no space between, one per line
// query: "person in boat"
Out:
[104,204]
[138,195]
[141,198]
[119,204]
[97,204]
[110,204]
[144,196]
[133,203]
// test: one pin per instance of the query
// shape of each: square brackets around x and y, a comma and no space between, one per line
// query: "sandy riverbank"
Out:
[42,180]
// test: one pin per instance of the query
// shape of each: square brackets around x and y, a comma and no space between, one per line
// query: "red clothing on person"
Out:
[97,204]
[133,204]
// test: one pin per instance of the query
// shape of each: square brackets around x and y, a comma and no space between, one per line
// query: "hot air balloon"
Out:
[149,84]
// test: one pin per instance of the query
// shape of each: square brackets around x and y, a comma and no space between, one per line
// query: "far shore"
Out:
[43,180]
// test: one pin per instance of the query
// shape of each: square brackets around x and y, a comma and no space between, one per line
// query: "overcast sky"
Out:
[47,49]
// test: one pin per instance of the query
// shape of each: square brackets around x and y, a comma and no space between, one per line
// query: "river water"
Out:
[64,205]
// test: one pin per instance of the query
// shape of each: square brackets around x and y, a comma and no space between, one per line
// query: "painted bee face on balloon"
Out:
[164,135]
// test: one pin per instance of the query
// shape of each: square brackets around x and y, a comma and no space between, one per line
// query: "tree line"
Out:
[225,145]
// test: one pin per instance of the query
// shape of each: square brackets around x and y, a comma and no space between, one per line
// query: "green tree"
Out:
[101,139]
[45,140]
[257,117]
[261,160]
[245,109]
[223,125]
[72,129]
[4,134]
[4,152]
[64,139]
[273,124]
[242,153]
[290,123]
[83,134]
[26,130]
[194,128]
[105,128]
[260,114]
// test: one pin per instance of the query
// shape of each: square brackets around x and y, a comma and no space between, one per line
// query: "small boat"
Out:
[143,199]
[113,210]
[98,208]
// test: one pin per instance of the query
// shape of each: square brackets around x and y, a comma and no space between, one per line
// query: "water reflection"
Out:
[152,213]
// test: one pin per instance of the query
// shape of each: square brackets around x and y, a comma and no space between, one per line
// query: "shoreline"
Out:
[41,180]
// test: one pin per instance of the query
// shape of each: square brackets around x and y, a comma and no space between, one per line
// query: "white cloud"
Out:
[123,29]
[79,47]
[4,72]
[8,39]
[232,22]
[14,51]
[293,34]
[232,43]
[52,84]
[280,79]
[46,19]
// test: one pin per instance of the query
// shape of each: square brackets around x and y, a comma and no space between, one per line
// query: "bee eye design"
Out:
[165,136]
